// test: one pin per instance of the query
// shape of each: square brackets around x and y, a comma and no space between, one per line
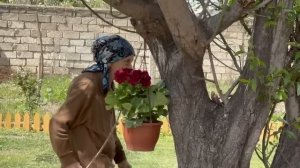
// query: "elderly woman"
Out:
[82,124]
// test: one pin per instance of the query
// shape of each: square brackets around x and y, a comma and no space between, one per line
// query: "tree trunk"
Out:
[288,152]
[206,134]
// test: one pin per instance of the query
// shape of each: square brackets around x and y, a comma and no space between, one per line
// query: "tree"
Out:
[288,152]
[207,134]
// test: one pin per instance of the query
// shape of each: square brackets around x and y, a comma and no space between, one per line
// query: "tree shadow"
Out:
[5,69]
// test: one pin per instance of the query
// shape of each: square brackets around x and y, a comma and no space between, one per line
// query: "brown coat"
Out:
[81,125]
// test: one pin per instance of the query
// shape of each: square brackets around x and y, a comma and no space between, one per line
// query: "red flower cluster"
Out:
[133,77]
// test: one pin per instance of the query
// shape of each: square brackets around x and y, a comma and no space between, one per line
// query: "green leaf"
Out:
[244,81]
[133,123]
[144,108]
[281,95]
[239,52]
[158,99]
[127,106]
[283,120]
[110,99]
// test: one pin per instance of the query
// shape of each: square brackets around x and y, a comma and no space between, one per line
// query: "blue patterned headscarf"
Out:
[108,49]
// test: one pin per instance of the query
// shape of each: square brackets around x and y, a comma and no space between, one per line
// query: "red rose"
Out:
[135,77]
[123,75]
[145,79]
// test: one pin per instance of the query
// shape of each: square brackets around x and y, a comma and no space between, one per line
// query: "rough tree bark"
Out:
[288,151]
[205,134]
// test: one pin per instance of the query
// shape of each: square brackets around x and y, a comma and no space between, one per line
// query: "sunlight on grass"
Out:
[33,150]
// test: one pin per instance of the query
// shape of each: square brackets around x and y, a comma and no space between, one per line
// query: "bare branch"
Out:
[235,83]
[137,55]
[236,12]
[215,5]
[204,9]
[144,9]
[105,21]
[264,141]
[258,155]
[41,60]
[221,17]
[208,80]
[261,5]
[223,48]
[186,32]
[227,17]
[215,76]
[248,30]
[230,53]
[224,63]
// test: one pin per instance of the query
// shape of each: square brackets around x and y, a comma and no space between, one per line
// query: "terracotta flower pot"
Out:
[142,138]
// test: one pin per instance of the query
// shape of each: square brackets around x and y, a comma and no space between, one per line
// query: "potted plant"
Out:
[141,105]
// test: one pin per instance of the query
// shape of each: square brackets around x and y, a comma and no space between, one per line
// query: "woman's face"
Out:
[123,63]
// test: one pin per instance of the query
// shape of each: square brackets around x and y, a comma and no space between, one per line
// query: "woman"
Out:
[82,124]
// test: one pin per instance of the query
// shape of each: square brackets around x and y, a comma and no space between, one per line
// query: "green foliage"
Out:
[139,104]
[53,92]
[30,89]
[54,88]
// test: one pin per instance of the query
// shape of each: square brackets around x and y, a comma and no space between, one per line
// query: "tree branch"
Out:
[113,15]
[208,80]
[105,21]
[138,9]
[230,53]
[186,32]
[234,13]
[248,30]
[235,83]
[215,76]
[221,17]
[224,63]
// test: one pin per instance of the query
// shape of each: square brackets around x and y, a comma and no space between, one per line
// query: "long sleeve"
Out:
[69,116]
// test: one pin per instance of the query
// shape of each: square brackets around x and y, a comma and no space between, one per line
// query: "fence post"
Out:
[46,120]
[26,123]
[17,123]
[8,120]
[36,122]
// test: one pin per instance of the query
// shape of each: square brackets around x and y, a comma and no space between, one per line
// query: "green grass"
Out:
[33,150]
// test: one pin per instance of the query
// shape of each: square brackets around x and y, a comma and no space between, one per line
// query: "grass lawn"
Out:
[20,149]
